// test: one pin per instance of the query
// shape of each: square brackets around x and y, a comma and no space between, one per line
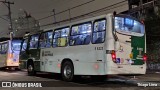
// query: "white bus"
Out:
[9,53]
[102,45]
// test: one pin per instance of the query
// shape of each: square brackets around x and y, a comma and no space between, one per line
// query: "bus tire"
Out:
[67,71]
[30,69]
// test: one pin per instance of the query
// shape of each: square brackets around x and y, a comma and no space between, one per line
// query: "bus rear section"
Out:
[12,59]
[3,53]
[129,56]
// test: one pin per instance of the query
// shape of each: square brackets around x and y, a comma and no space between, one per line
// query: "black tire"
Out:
[30,69]
[67,71]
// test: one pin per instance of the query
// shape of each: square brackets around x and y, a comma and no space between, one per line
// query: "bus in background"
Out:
[99,46]
[25,52]
[9,54]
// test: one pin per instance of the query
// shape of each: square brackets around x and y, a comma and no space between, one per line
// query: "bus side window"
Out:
[4,48]
[99,30]
[80,34]
[78,40]
[61,37]
[62,41]
[49,36]
[24,45]
[55,38]
[34,41]
[42,42]
[45,39]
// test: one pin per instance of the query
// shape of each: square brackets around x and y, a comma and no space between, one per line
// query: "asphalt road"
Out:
[55,82]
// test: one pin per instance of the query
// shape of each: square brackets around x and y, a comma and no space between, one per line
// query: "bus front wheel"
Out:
[30,69]
[67,71]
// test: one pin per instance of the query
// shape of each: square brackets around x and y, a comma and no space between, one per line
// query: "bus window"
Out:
[80,34]
[4,48]
[98,35]
[42,42]
[61,37]
[34,41]
[49,36]
[24,45]
[128,26]
[16,45]
[45,39]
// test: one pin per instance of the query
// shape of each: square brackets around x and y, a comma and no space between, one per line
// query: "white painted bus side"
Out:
[87,59]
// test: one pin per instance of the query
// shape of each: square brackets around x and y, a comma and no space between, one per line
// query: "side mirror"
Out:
[117,45]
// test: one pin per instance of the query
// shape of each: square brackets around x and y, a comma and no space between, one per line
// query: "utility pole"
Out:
[8,5]
[54,13]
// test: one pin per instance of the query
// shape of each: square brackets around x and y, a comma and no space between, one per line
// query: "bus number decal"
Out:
[98,48]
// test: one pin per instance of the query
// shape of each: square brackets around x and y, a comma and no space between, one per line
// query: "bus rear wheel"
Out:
[67,71]
[30,69]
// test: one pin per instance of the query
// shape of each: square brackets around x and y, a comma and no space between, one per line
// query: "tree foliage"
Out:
[152,26]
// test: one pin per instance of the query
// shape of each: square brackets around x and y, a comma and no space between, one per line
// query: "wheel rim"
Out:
[30,68]
[67,71]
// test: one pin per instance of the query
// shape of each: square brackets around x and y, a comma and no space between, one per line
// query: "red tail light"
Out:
[113,54]
[144,57]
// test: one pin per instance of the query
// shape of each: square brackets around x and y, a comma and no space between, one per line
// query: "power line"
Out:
[8,5]
[4,19]
[96,11]
[66,10]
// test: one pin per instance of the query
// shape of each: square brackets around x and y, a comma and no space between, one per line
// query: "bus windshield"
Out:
[128,26]
[16,45]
